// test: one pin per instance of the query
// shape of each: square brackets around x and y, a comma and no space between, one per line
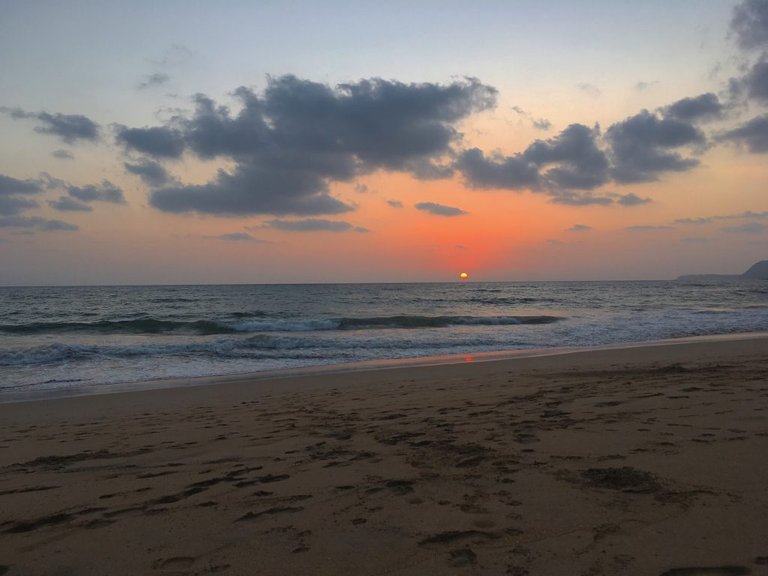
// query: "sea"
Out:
[77,340]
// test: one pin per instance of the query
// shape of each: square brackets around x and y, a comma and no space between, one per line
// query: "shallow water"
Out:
[66,338]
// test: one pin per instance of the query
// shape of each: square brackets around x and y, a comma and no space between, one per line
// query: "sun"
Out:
[463,276]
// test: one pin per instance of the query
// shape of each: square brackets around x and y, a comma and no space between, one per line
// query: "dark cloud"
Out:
[748,228]
[254,188]
[103,192]
[10,204]
[575,160]
[314,225]
[642,147]
[749,24]
[36,223]
[62,154]
[395,203]
[755,83]
[237,237]
[439,209]
[571,160]
[298,136]
[152,80]
[158,141]
[752,134]
[497,171]
[150,172]
[579,228]
[212,131]
[9,185]
[632,199]
[703,107]
[67,127]
[14,195]
[69,204]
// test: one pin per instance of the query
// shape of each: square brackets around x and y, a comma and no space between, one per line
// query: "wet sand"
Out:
[646,460]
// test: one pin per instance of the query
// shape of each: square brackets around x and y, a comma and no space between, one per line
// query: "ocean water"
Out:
[72,339]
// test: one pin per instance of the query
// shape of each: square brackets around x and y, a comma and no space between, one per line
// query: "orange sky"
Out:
[593,67]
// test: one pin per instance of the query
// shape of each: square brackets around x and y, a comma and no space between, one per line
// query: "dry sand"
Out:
[647,461]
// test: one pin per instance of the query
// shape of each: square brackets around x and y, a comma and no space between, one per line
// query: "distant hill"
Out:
[758,271]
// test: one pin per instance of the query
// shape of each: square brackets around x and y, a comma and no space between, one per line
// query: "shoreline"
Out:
[356,367]
[635,461]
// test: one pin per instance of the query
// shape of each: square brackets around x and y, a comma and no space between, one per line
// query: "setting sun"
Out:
[463,276]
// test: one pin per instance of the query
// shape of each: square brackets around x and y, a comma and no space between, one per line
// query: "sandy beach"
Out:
[646,460]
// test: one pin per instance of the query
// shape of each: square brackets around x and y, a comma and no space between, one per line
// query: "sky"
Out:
[191,141]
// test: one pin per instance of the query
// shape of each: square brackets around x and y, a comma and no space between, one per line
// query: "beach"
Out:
[636,460]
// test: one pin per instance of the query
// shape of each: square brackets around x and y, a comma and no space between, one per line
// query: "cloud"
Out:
[648,228]
[748,214]
[755,83]
[9,185]
[643,86]
[152,80]
[632,199]
[291,141]
[579,228]
[580,199]
[151,173]
[314,225]
[439,209]
[703,107]
[748,228]
[590,89]
[158,141]
[254,188]
[62,154]
[103,192]
[10,205]
[749,24]
[753,134]
[576,160]
[642,147]
[69,204]
[697,221]
[571,160]
[237,237]
[36,223]
[361,188]
[67,127]
[497,171]
[395,203]
[539,123]
[14,195]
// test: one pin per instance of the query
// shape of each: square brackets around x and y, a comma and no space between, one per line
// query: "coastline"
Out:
[308,372]
[633,460]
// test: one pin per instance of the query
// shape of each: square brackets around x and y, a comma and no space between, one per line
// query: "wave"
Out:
[441,321]
[213,327]
[138,326]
